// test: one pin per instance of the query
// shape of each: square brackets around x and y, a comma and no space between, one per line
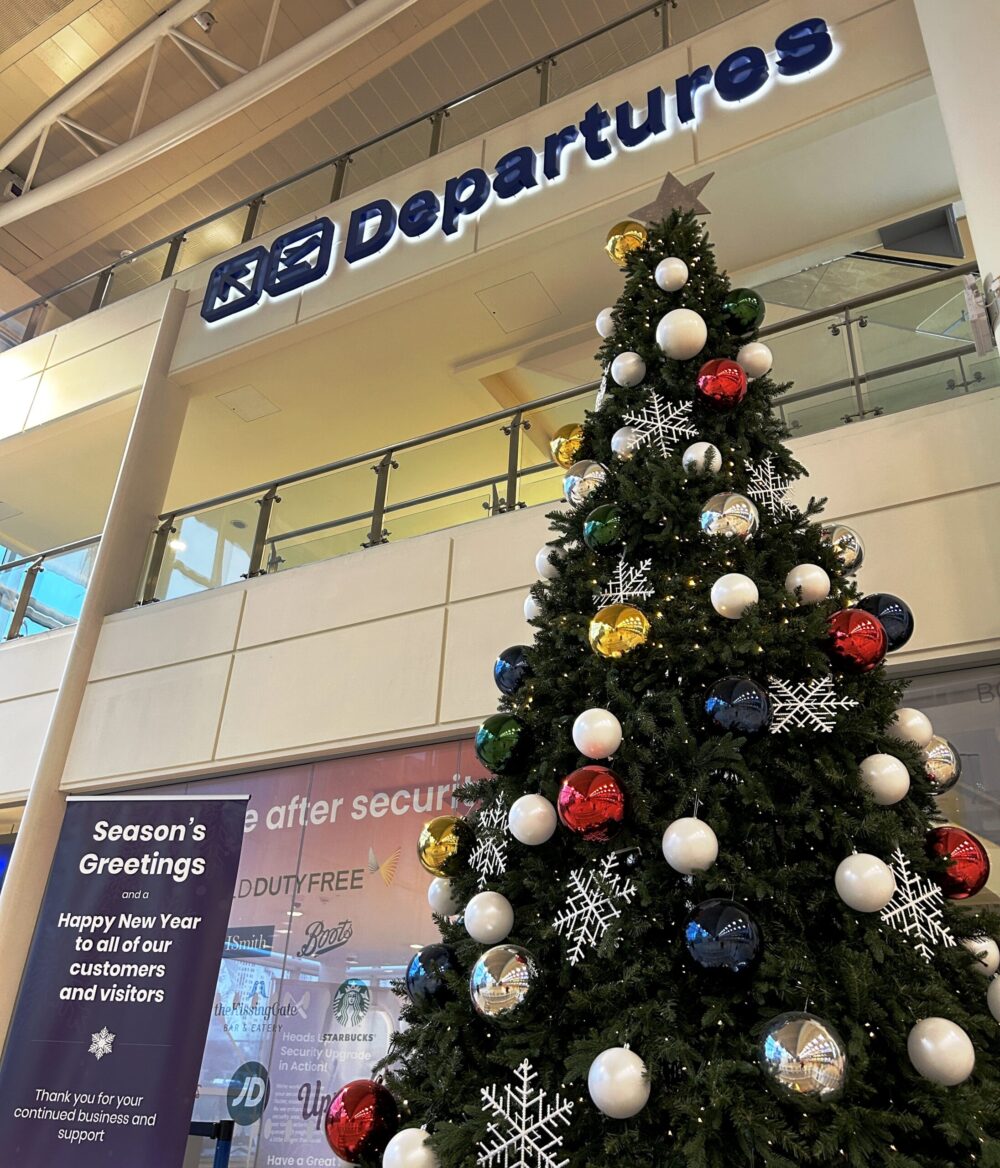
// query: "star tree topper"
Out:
[675,195]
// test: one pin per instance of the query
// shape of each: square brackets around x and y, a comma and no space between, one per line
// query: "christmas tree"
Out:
[705,913]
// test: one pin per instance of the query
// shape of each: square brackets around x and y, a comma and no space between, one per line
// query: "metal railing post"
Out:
[173,254]
[513,431]
[160,538]
[101,291]
[266,504]
[36,318]
[437,131]
[666,31]
[377,533]
[340,177]
[253,214]
[23,599]
[545,82]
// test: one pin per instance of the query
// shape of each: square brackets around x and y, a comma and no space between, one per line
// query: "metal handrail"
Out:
[345,155]
[51,553]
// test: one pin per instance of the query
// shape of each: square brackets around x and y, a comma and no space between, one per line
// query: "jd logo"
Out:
[351,1002]
[248,1095]
[320,939]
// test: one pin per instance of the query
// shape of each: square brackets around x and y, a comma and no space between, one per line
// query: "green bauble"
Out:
[744,309]
[602,527]
[498,740]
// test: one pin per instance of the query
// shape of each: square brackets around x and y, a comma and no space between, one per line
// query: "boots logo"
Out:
[351,1002]
[320,939]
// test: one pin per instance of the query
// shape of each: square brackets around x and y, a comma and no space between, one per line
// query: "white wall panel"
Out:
[499,555]
[166,634]
[32,665]
[148,722]
[365,587]
[477,631]
[116,320]
[22,730]
[362,680]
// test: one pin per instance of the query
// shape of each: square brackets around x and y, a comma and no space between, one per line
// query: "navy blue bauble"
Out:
[425,976]
[892,614]
[722,935]
[511,669]
[739,706]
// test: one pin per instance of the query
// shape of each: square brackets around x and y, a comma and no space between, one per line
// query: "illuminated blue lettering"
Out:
[804,46]
[464,195]
[234,285]
[554,146]
[360,244]
[655,121]
[686,87]
[595,121]
[419,214]
[741,74]
[515,173]
[299,257]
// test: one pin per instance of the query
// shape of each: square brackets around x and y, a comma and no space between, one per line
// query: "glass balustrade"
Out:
[207,549]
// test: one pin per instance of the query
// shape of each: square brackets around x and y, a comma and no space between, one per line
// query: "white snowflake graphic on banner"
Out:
[768,487]
[101,1043]
[489,856]
[917,909]
[806,705]
[627,583]
[526,1132]
[594,901]
[663,423]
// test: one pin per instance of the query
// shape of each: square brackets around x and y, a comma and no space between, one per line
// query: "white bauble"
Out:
[617,1083]
[701,458]
[690,845]
[441,897]
[625,442]
[941,1051]
[489,917]
[864,882]
[986,954]
[532,609]
[811,579]
[733,594]
[671,274]
[886,777]
[605,324]
[409,1149]
[547,563]
[993,997]
[628,369]
[681,334]
[597,733]
[911,725]
[532,820]
[755,358]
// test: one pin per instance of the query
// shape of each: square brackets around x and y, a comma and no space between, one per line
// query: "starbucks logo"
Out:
[351,1002]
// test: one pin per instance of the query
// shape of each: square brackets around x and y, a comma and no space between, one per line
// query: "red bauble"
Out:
[857,639]
[970,865]
[722,384]
[361,1120]
[591,802]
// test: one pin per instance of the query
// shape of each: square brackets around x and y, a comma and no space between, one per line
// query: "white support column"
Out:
[136,501]
[962,39]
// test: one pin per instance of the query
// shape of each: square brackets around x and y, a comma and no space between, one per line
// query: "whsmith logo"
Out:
[305,254]
[320,939]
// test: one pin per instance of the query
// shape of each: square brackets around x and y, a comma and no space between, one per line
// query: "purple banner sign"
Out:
[102,1058]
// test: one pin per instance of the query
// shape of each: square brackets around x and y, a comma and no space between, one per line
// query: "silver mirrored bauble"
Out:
[625,442]
[730,514]
[581,479]
[502,981]
[942,764]
[846,542]
[803,1056]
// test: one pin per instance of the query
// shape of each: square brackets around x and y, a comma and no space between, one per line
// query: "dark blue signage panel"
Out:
[102,1059]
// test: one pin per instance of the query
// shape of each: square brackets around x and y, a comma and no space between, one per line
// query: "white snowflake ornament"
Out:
[917,909]
[663,423]
[806,705]
[525,1131]
[626,584]
[489,856]
[768,488]
[595,900]
[102,1043]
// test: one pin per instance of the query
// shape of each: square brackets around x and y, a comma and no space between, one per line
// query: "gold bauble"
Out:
[623,238]
[566,443]
[440,844]
[617,630]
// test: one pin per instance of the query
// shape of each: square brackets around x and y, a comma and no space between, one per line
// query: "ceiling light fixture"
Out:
[205,20]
